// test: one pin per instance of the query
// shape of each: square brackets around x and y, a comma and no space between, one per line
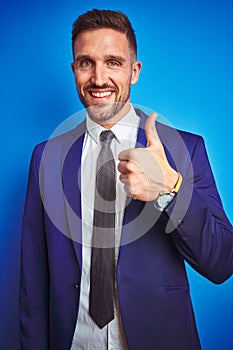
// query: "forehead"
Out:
[104,41]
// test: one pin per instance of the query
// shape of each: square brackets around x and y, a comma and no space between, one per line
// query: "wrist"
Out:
[165,198]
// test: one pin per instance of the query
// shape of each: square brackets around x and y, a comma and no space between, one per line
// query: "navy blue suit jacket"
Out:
[153,289]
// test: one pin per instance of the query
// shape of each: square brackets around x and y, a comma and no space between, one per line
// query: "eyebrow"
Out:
[82,57]
[107,57]
[115,57]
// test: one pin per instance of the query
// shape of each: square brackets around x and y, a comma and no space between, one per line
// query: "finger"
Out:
[128,190]
[123,178]
[125,155]
[150,129]
[125,167]
[122,167]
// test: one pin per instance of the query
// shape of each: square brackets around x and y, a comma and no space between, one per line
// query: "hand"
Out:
[145,172]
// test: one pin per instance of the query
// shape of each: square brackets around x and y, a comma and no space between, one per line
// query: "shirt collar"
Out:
[121,129]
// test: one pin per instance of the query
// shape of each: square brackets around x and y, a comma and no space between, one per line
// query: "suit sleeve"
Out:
[34,275]
[203,234]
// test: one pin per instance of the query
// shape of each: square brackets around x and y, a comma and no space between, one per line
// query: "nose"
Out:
[99,75]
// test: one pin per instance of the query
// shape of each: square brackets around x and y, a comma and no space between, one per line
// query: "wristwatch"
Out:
[164,198]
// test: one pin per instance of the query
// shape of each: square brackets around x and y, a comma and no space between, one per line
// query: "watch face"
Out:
[164,200]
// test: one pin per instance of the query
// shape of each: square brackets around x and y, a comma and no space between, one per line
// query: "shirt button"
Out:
[76,286]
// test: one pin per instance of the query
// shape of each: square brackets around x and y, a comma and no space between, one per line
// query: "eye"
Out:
[85,63]
[113,64]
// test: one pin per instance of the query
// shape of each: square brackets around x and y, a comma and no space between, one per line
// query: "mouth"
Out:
[102,95]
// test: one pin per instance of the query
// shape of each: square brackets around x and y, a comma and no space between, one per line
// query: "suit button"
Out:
[180,223]
[76,286]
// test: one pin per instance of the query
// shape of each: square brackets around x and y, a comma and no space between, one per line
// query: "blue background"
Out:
[187,52]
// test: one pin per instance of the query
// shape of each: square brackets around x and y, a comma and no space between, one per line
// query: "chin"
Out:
[104,112]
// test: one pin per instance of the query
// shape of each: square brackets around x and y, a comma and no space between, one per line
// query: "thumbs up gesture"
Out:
[145,172]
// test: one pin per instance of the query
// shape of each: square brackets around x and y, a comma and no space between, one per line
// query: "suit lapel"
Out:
[134,207]
[71,177]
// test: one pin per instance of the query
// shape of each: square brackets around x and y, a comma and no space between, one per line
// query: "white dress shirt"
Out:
[88,336]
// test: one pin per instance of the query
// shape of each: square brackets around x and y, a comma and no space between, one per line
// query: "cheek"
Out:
[123,81]
[79,82]
[126,84]
[129,78]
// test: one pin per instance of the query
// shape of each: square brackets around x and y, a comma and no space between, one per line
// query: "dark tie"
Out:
[103,240]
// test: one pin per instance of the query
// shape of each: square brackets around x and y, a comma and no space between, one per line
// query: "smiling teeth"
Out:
[101,94]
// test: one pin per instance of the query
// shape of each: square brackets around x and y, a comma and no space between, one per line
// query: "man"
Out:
[114,207]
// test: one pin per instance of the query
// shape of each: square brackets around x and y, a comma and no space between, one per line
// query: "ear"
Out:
[136,68]
[72,67]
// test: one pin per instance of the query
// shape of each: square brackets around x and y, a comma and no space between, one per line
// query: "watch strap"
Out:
[178,184]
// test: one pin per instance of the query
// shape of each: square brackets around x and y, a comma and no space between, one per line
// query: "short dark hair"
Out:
[96,19]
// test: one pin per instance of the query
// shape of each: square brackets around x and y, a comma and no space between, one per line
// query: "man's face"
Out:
[104,68]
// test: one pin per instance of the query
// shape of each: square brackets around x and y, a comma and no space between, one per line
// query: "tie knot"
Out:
[106,136]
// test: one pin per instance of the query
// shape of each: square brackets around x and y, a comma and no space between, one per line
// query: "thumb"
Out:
[150,129]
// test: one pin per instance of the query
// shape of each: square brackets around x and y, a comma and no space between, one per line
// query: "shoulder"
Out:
[57,143]
[170,135]
[181,144]
[167,131]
